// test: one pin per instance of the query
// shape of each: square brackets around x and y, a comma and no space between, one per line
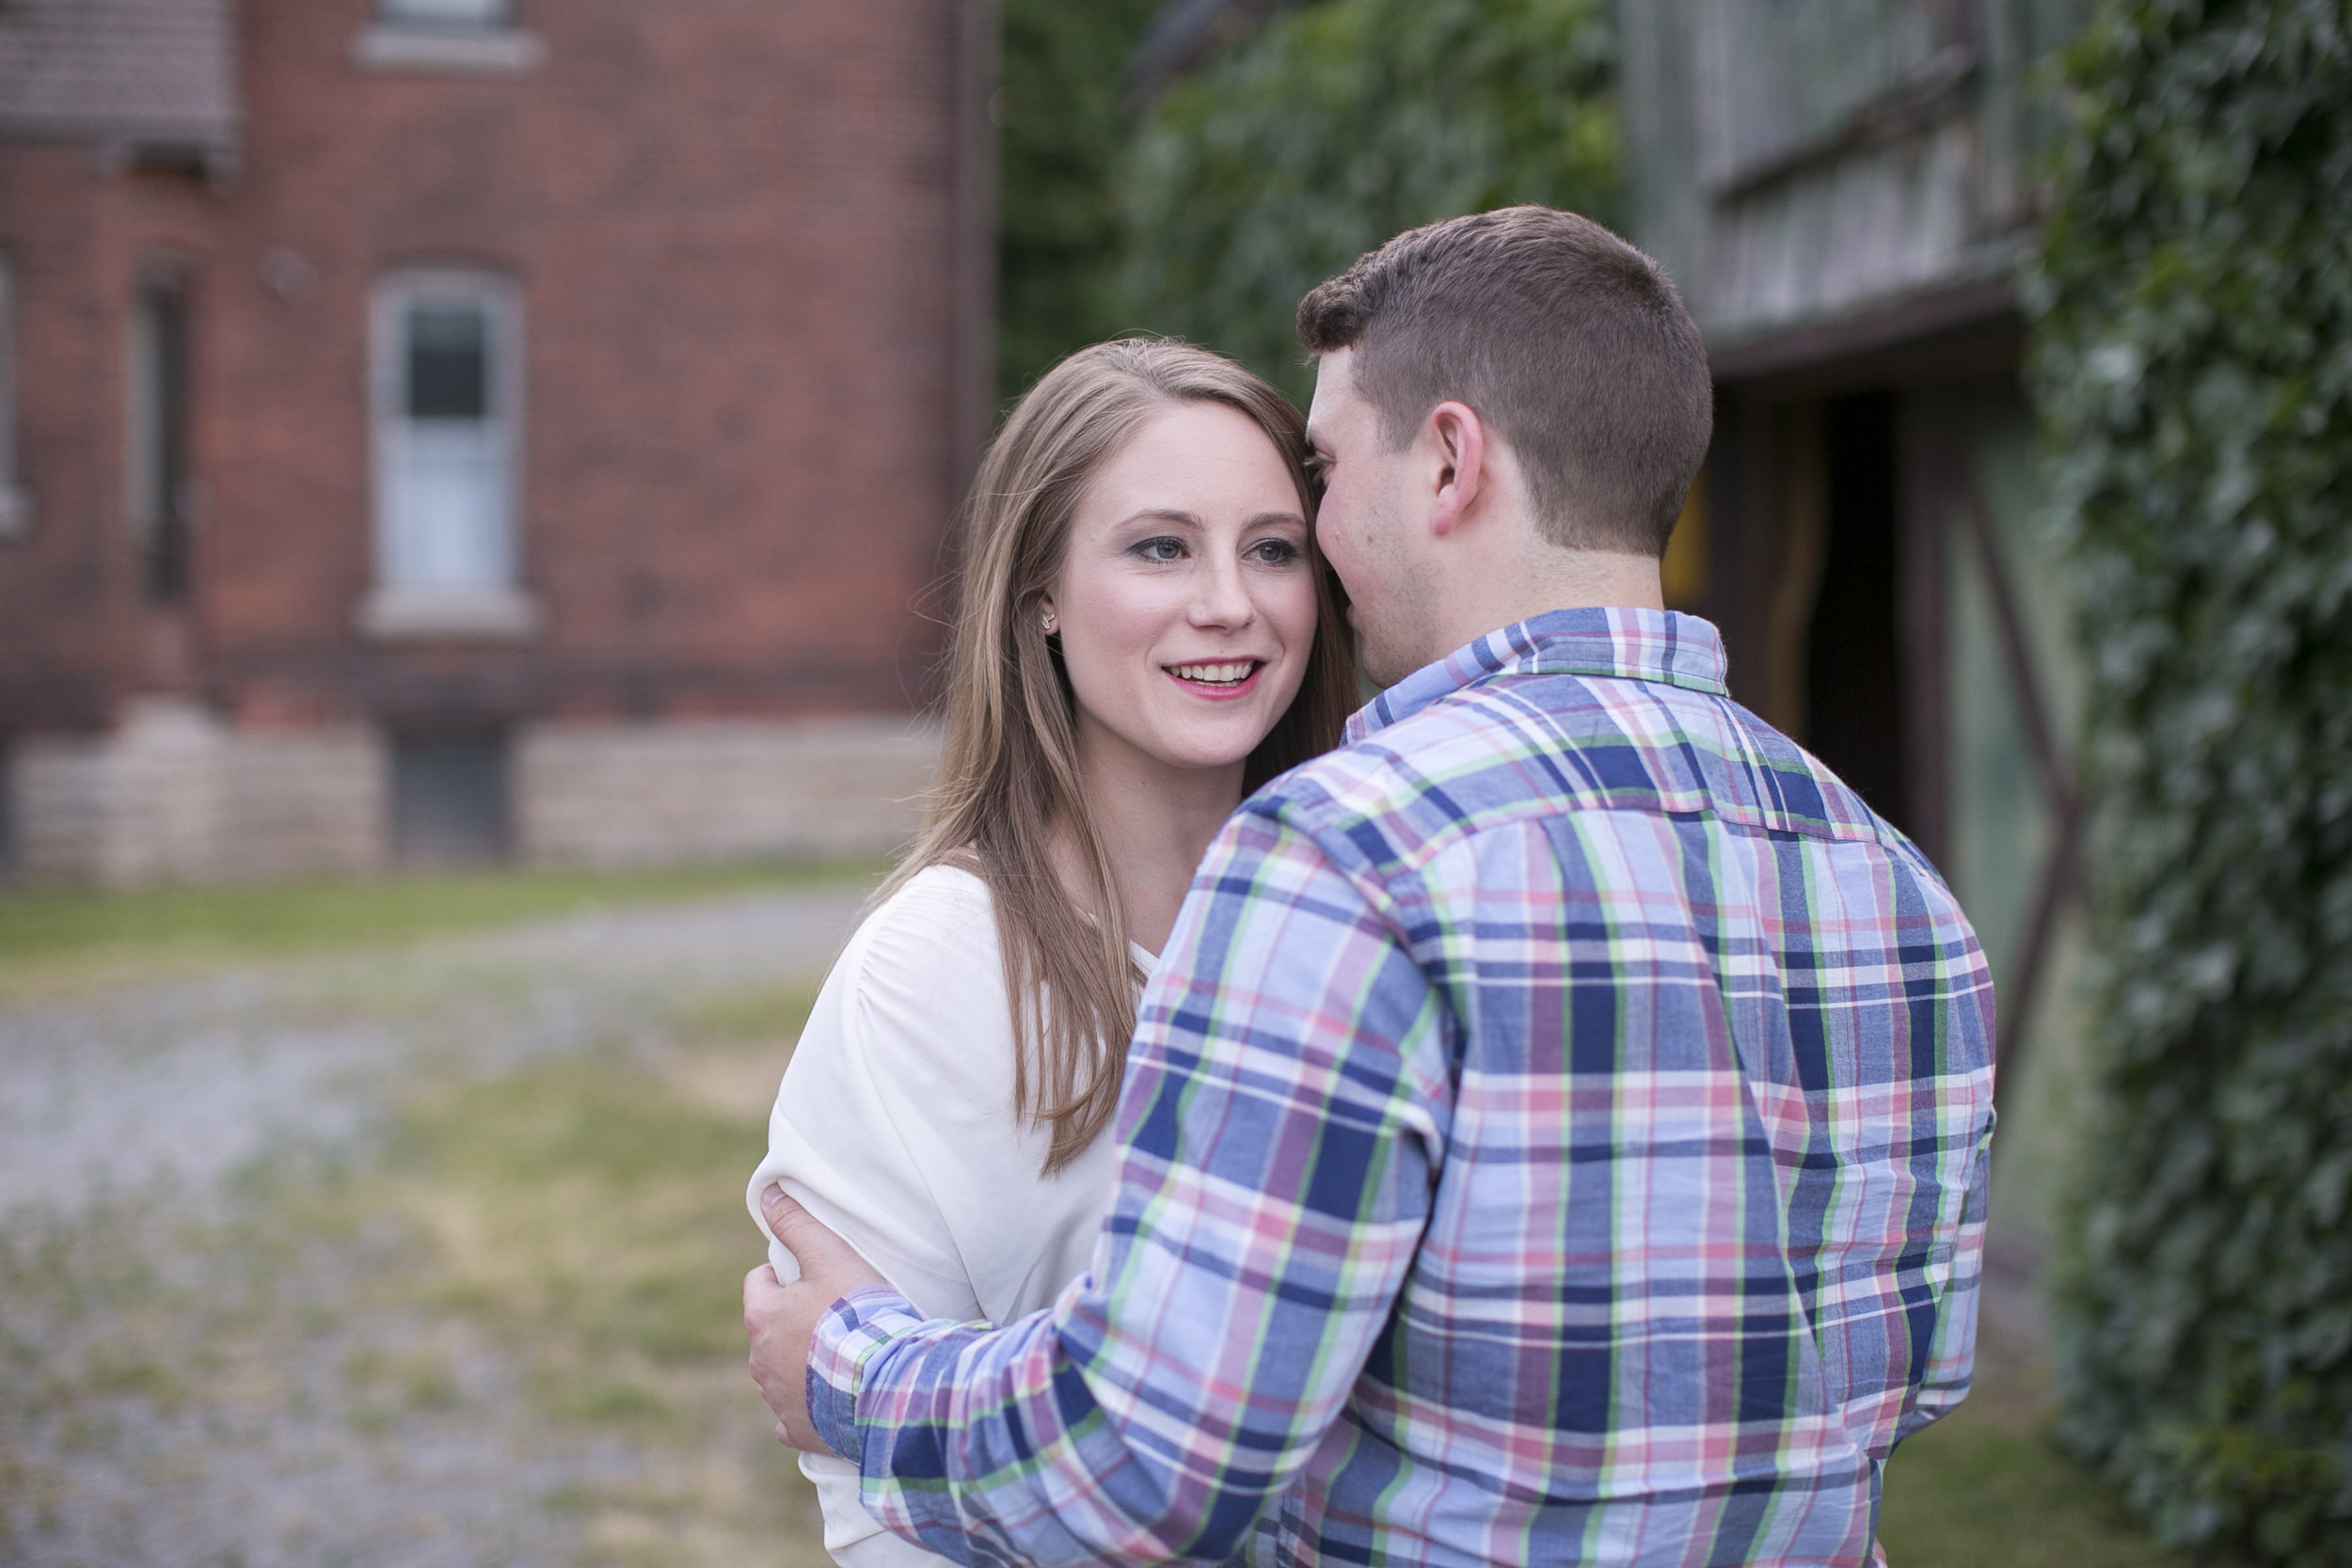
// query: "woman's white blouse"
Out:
[895,1125]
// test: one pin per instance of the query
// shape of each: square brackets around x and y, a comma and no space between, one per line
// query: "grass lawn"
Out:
[585,1220]
[97,932]
[1984,1488]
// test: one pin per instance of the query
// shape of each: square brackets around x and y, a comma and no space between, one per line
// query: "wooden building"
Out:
[434,428]
[1844,191]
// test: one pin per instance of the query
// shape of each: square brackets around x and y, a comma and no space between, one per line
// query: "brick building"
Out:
[434,427]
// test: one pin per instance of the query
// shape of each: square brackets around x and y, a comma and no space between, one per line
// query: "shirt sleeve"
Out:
[1951,1350]
[1280,1127]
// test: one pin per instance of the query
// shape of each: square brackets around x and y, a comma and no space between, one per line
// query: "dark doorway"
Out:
[1853,674]
[450,798]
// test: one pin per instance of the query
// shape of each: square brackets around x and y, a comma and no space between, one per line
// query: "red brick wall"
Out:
[733,223]
[73,634]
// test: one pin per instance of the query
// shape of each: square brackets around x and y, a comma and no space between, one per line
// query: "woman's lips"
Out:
[1218,680]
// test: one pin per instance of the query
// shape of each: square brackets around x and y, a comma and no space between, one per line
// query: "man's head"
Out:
[1551,354]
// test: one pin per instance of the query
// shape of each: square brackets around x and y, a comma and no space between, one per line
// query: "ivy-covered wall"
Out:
[1341,122]
[2193,367]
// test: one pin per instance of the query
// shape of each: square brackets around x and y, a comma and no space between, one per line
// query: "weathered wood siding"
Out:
[1794,160]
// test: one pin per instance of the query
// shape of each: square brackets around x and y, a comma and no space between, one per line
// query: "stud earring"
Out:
[1049,625]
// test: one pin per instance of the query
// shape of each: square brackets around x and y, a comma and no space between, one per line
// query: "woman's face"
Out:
[1186,602]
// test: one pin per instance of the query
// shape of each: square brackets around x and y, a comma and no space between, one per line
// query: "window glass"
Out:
[158,430]
[449,364]
[447,396]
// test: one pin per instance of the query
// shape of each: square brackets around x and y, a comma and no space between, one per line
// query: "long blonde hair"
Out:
[1009,770]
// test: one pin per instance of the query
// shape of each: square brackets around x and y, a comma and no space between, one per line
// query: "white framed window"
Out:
[446,396]
[16,505]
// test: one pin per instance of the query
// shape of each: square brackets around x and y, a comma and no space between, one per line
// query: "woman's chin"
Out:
[1219,738]
[1205,754]
[1231,745]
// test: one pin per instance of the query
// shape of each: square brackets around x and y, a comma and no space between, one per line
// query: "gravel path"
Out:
[125,1113]
[185,1080]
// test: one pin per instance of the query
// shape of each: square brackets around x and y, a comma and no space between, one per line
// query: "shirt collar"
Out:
[1627,644]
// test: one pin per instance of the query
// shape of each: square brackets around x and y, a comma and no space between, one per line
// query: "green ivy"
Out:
[1060,131]
[1339,124]
[2193,366]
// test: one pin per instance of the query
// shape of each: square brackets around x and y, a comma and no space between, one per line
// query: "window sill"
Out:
[16,512]
[474,614]
[385,48]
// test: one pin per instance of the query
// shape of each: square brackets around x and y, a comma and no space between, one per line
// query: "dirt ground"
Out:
[426,1255]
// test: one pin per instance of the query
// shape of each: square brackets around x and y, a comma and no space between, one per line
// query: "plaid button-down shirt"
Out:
[1556,1133]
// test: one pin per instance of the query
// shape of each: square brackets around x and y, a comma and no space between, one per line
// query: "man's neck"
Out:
[1536,582]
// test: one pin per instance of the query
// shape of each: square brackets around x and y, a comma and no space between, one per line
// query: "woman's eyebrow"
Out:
[1161,514]
[1268,519]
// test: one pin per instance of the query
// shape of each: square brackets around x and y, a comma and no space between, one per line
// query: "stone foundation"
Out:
[176,794]
[682,790]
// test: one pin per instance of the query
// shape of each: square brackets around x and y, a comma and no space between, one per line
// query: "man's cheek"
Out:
[1334,535]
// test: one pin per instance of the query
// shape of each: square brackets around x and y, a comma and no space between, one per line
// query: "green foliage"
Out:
[2194,366]
[1060,128]
[1341,122]
[1982,1488]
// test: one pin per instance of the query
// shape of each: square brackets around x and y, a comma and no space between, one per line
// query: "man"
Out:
[1557,1131]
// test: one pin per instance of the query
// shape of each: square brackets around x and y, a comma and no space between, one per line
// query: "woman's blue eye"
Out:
[1275,552]
[1160,549]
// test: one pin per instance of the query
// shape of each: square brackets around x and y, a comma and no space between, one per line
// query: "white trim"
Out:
[389,48]
[446,13]
[484,614]
[491,603]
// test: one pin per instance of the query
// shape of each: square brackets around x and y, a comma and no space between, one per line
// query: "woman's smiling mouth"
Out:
[1218,678]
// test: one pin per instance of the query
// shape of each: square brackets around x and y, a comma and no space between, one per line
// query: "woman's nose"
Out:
[1223,598]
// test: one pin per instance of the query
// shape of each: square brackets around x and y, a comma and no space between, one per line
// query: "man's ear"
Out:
[1458,438]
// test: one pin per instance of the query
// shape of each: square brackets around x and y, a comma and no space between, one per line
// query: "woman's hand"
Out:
[781,1320]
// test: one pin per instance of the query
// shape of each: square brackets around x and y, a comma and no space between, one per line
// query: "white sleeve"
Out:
[905,1066]
[901,1075]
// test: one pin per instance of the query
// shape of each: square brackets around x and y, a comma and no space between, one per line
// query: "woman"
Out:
[1146,633]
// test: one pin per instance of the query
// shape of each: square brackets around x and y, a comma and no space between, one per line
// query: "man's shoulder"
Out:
[1508,751]
[1469,762]
[1509,731]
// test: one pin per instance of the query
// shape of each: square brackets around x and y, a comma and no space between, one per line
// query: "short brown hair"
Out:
[1570,341]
